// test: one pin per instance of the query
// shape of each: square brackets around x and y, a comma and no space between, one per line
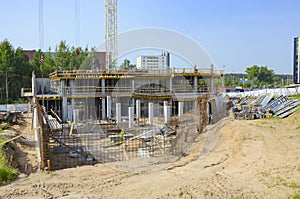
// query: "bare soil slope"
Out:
[233,159]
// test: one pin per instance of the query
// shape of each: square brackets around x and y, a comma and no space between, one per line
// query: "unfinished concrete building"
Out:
[99,116]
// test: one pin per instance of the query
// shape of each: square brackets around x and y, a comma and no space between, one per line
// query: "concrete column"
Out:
[167,111]
[180,110]
[195,84]
[150,113]
[64,101]
[196,104]
[103,99]
[165,104]
[132,85]
[76,116]
[212,89]
[70,113]
[37,129]
[132,102]
[86,112]
[131,116]
[72,106]
[171,84]
[33,85]
[64,108]
[108,104]
[118,113]
[138,109]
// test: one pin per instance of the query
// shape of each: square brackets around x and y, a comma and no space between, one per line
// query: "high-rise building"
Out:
[296,60]
[154,62]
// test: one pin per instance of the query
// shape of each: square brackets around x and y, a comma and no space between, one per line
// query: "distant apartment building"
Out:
[296,60]
[154,62]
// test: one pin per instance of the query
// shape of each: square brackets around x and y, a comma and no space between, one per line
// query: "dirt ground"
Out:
[233,159]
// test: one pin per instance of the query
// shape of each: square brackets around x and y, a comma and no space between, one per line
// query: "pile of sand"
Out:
[233,159]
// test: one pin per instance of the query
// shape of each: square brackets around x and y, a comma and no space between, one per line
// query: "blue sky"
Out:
[235,33]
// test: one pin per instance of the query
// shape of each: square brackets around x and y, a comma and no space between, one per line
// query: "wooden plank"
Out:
[12,139]
[56,116]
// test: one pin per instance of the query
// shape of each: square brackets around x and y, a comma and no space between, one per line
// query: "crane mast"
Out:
[111,26]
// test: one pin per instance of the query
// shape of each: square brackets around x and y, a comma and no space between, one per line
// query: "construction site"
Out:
[146,132]
[109,115]
[85,117]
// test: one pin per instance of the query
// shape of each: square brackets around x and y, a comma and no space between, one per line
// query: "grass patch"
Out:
[264,174]
[293,185]
[294,96]
[272,127]
[10,101]
[295,196]
[2,139]
[249,137]
[293,136]
[52,174]
[272,118]
[274,181]
[260,125]
[7,174]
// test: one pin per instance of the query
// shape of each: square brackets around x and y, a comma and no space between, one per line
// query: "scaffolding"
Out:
[100,116]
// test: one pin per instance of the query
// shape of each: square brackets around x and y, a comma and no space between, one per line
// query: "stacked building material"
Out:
[251,107]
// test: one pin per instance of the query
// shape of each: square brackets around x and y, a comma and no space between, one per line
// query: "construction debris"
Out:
[7,118]
[256,107]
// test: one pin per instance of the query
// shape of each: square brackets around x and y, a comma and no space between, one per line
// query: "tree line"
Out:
[256,77]
[16,69]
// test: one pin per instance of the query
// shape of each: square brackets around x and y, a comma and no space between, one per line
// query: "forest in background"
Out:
[16,69]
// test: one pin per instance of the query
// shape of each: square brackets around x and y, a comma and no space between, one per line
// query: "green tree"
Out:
[126,65]
[22,73]
[49,64]
[78,56]
[266,75]
[260,76]
[62,56]
[35,63]
[14,71]
[69,58]
[91,61]
[7,66]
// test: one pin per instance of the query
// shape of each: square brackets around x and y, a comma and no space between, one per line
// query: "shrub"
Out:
[7,174]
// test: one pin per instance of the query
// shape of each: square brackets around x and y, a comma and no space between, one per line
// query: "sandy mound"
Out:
[233,159]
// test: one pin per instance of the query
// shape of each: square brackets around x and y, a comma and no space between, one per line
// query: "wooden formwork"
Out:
[43,139]
[203,113]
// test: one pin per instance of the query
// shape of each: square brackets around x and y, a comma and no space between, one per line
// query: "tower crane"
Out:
[111,26]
